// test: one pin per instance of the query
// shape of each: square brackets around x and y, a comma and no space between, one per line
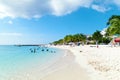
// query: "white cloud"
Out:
[10,34]
[62,7]
[99,8]
[38,8]
[103,32]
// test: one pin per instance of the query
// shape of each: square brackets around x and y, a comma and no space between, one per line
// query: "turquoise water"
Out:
[14,59]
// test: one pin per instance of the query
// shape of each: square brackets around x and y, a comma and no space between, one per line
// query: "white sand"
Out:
[101,63]
[69,70]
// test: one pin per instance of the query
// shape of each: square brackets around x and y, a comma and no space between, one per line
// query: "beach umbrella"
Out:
[117,39]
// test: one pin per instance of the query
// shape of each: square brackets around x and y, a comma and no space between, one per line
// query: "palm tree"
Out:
[114,25]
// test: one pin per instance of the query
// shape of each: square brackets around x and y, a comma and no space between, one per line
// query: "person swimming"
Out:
[34,50]
[42,49]
[47,50]
[31,50]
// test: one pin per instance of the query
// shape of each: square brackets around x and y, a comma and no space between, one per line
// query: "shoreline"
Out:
[101,63]
[63,67]
[76,63]
[41,72]
[70,71]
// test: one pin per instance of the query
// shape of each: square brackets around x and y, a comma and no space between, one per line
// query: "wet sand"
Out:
[69,70]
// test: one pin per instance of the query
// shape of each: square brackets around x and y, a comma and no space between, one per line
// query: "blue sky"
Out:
[44,21]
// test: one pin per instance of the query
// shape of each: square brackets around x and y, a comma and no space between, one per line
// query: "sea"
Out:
[18,62]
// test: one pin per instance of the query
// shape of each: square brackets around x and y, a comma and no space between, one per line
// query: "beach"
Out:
[19,63]
[67,69]
[64,68]
[59,40]
[72,63]
[100,63]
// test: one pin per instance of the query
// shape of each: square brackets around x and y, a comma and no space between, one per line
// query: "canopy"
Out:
[117,39]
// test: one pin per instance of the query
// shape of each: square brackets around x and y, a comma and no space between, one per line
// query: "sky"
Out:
[44,21]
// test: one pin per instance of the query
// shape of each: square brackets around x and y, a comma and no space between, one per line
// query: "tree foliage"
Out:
[114,25]
[58,42]
[79,37]
[74,38]
[83,38]
[71,38]
[68,38]
[97,36]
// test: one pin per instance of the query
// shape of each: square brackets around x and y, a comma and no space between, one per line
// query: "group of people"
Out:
[34,50]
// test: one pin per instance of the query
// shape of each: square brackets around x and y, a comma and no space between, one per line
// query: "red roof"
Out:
[117,39]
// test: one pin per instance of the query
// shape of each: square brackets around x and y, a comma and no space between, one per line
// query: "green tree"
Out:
[68,38]
[106,40]
[114,25]
[97,36]
[58,42]
[83,37]
[76,38]
[79,37]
